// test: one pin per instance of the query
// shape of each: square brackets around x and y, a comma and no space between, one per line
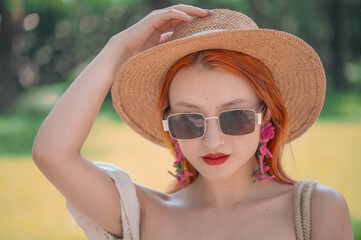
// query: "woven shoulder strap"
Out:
[302,208]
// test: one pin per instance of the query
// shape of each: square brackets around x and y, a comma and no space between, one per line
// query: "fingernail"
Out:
[210,11]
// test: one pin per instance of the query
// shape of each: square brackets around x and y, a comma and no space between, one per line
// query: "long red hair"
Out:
[261,80]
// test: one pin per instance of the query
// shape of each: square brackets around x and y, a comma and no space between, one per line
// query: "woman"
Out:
[225,97]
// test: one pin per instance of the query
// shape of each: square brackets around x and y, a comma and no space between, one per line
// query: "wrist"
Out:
[117,43]
[116,48]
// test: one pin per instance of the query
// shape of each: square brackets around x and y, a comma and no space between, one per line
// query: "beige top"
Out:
[130,208]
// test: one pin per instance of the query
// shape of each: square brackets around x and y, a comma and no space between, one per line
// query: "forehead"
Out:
[207,88]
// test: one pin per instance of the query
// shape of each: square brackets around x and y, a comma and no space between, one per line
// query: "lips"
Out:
[215,159]
[215,156]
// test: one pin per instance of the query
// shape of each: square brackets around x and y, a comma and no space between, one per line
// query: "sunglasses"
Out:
[184,126]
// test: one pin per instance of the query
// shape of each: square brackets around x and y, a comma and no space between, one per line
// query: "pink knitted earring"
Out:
[181,174]
[267,133]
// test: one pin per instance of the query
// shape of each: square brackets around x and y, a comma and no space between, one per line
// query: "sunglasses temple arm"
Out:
[259,118]
[165,125]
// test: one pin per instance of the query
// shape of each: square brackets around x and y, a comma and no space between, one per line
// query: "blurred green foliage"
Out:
[18,130]
[341,107]
[356,225]
[56,36]
[50,38]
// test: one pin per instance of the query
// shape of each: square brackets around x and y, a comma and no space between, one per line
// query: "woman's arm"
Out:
[56,149]
[68,124]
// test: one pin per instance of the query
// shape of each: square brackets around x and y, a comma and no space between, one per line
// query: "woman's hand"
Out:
[152,29]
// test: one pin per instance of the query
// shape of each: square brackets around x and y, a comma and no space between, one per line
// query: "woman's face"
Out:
[213,91]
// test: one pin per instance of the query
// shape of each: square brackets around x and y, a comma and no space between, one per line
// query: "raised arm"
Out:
[56,148]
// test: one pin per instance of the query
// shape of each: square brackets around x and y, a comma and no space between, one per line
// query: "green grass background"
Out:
[31,208]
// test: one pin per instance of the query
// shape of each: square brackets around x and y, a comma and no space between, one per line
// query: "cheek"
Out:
[240,145]
[190,149]
[245,145]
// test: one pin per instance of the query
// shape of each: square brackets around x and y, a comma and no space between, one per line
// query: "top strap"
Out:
[128,196]
[129,203]
[302,208]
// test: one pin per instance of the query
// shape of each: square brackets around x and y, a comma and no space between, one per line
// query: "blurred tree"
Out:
[157,4]
[9,27]
[42,42]
[339,37]
[22,46]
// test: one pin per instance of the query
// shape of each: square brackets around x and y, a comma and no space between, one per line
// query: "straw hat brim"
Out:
[295,66]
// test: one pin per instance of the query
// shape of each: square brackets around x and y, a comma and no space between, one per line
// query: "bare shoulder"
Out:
[148,196]
[330,215]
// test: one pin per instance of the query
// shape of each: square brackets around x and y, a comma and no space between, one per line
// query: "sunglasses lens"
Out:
[186,126]
[237,122]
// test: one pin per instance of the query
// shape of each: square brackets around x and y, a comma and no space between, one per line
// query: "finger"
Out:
[160,20]
[190,10]
[174,14]
[167,15]
[165,37]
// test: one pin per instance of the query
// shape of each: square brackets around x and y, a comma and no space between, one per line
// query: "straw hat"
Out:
[294,64]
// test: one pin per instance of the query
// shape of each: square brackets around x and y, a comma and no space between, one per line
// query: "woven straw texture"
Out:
[302,208]
[294,64]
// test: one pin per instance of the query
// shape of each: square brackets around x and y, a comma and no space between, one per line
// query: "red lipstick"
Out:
[215,159]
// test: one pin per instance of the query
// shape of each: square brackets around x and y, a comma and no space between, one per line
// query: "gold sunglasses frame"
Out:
[258,120]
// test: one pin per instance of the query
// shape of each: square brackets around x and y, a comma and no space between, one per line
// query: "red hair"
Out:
[261,80]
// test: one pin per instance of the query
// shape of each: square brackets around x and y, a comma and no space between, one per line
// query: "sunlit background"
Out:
[45,44]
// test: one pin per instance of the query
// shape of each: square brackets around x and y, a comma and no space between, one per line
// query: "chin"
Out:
[216,174]
[222,171]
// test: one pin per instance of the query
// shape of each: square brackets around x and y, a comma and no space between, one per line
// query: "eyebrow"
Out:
[233,102]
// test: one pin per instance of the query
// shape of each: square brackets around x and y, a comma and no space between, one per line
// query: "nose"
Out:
[213,136]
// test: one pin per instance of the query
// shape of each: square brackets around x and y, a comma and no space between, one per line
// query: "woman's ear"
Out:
[166,112]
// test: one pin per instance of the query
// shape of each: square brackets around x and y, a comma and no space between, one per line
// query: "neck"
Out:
[230,192]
